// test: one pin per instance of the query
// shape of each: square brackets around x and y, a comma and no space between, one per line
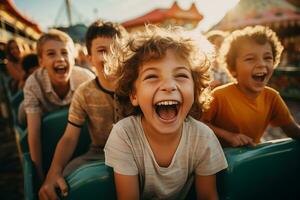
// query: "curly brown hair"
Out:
[259,34]
[127,56]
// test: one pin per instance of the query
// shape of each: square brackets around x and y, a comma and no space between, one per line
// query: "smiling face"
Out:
[58,59]
[164,90]
[14,49]
[99,47]
[254,67]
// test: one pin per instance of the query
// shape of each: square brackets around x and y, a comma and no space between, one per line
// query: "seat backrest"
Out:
[52,128]
[30,189]
[17,99]
[21,139]
[91,181]
[268,171]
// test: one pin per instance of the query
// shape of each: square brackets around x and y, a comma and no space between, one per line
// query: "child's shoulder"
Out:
[194,126]
[37,78]
[224,88]
[80,71]
[271,91]
[128,127]
[129,121]
[198,134]
[87,85]
[223,91]
[270,94]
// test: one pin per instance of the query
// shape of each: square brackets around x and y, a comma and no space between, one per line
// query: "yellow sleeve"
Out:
[280,115]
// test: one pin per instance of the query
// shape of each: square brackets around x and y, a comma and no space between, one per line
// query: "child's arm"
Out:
[127,187]
[292,130]
[34,141]
[233,139]
[206,187]
[64,150]
[16,73]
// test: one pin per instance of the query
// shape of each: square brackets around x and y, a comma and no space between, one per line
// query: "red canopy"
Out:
[11,8]
[265,12]
[159,15]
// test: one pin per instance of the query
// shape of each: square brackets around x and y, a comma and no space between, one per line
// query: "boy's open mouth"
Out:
[60,69]
[260,77]
[167,110]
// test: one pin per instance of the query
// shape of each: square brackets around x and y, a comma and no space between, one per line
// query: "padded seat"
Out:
[52,128]
[268,171]
[93,181]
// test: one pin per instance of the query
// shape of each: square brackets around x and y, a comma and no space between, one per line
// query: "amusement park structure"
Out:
[14,24]
[165,17]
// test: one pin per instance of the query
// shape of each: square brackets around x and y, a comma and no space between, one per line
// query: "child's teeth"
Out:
[167,103]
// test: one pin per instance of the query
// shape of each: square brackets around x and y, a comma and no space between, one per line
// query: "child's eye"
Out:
[64,53]
[182,75]
[269,57]
[249,59]
[50,54]
[150,76]
[101,51]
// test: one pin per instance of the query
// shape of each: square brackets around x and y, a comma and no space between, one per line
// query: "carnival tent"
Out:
[280,15]
[172,16]
[12,20]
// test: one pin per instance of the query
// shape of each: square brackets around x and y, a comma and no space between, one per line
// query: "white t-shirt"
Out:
[128,152]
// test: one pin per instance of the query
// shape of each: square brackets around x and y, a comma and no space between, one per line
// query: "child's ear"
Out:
[133,98]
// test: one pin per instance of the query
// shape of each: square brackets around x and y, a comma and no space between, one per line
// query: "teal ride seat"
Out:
[29,177]
[14,105]
[52,128]
[268,171]
[93,181]
[21,139]
[17,99]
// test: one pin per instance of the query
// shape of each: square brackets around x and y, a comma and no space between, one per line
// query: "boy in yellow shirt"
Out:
[241,111]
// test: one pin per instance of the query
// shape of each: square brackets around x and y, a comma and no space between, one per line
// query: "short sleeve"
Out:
[280,113]
[77,112]
[31,102]
[118,153]
[213,160]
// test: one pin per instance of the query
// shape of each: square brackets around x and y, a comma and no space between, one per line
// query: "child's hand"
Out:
[53,182]
[238,139]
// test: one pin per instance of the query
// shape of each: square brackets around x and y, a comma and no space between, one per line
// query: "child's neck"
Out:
[61,90]
[248,94]
[163,146]
[105,83]
[159,138]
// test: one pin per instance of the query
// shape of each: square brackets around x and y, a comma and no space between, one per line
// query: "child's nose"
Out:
[169,86]
[60,57]
[261,62]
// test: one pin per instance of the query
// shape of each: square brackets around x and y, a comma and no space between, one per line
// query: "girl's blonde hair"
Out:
[129,54]
[258,34]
